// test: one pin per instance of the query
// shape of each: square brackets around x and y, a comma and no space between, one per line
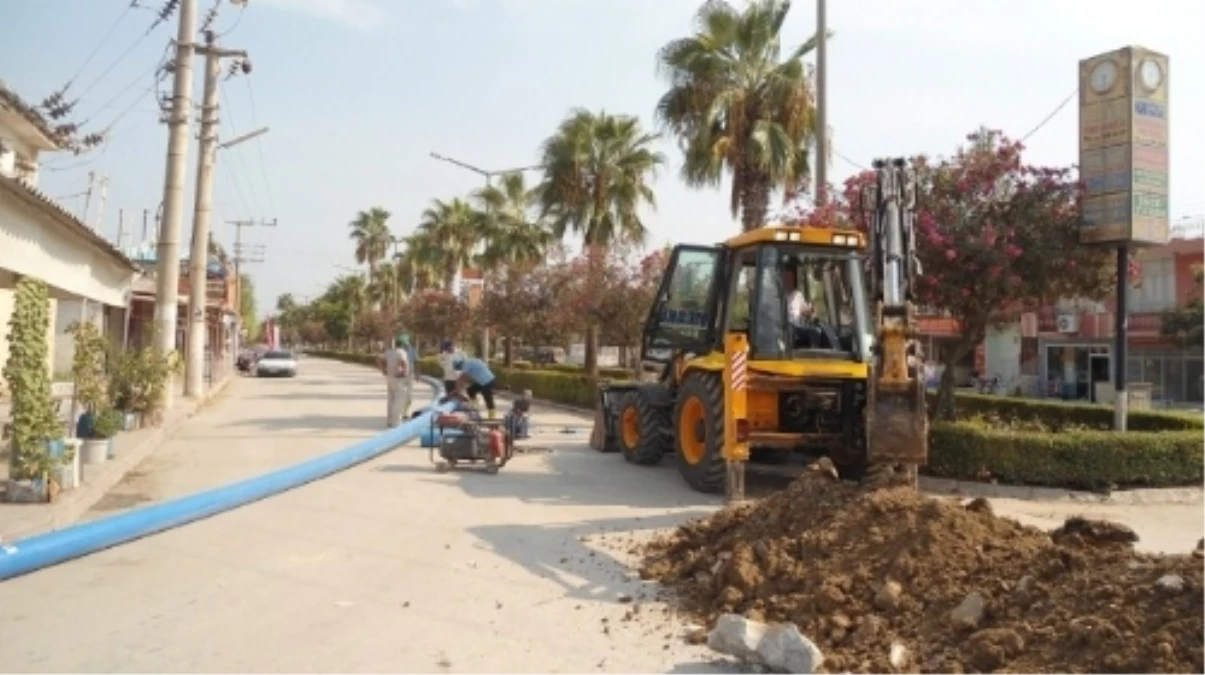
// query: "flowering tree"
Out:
[1186,323]
[626,302]
[995,237]
[432,315]
[529,308]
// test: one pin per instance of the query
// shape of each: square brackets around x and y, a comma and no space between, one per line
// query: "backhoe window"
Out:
[808,304]
[682,314]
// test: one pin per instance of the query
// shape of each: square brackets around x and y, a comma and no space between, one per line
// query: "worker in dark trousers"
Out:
[476,378]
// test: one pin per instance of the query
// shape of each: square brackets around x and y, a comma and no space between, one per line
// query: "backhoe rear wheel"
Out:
[645,426]
[699,431]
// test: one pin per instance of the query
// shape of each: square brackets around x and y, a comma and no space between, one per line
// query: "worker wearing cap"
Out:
[476,378]
[395,366]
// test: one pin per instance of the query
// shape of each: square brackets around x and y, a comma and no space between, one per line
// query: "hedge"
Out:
[1075,449]
[1058,415]
[1086,460]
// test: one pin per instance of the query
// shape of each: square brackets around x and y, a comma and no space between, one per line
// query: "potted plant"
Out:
[122,368]
[67,470]
[34,419]
[100,441]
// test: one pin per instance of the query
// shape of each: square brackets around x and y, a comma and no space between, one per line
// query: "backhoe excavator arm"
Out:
[897,426]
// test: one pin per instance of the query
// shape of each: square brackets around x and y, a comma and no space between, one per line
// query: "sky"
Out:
[358,93]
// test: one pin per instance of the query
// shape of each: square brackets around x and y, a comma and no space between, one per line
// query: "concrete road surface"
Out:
[389,567]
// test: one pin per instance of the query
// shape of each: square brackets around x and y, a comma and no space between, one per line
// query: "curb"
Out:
[73,504]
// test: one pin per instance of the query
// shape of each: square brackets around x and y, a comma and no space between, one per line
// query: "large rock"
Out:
[779,647]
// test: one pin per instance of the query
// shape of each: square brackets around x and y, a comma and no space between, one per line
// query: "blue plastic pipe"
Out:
[43,550]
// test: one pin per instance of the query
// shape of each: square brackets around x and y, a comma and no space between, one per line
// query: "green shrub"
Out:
[1088,459]
[34,416]
[1057,415]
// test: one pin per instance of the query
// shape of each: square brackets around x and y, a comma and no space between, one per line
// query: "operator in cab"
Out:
[475,378]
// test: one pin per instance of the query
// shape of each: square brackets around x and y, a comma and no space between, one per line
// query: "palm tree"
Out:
[420,263]
[597,169]
[514,240]
[513,237]
[370,232]
[453,229]
[735,106]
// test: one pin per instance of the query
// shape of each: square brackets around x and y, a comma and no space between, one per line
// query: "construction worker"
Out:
[448,354]
[394,364]
[475,378]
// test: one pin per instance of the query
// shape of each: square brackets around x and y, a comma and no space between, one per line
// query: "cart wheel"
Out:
[442,467]
[491,468]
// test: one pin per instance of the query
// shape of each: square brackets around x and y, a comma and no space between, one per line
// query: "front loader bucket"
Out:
[897,428]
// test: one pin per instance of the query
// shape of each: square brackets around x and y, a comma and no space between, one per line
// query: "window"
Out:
[683,312]
[1157,289]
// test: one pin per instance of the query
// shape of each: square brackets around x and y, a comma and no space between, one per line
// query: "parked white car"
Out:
[276,363]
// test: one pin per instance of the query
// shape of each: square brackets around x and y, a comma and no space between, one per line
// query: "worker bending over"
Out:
[476,378]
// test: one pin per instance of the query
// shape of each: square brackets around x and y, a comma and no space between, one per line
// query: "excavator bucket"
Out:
[897,428]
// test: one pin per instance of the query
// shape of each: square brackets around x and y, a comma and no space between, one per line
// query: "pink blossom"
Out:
[951,254]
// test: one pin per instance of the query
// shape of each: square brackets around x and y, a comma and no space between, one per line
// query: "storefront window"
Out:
[1133,370]
[1152,369]
[1193,371]
[1173,379]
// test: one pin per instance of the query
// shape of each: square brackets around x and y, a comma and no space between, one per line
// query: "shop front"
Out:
[1072,370]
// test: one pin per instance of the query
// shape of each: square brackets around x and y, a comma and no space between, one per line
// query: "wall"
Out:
[1003,352]
[69,311]
[32,244]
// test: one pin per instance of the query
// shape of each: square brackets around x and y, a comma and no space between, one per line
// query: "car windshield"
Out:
[281,355]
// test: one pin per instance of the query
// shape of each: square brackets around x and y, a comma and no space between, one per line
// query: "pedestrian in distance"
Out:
[394,364]
[476,378]
[448,354]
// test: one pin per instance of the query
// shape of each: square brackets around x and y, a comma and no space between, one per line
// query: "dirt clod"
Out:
[877,578]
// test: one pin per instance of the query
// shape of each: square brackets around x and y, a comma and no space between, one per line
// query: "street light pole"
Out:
[485,330]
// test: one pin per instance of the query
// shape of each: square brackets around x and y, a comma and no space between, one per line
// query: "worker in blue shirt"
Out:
[476,378]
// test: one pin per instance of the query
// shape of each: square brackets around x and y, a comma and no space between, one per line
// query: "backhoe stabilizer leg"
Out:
[735,491]
[736,422]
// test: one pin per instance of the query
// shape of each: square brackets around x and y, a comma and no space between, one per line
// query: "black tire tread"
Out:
[654,405]
[710,475]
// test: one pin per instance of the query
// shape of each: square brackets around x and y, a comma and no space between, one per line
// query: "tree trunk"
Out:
[946,409]
[449,281]
[591,365]
[755,201]
[508,351]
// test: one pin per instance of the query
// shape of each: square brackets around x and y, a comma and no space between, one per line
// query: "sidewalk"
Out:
[18,521]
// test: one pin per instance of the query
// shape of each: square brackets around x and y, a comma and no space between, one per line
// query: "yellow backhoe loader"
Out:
[783,339]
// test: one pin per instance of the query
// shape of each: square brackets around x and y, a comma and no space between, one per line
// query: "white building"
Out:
[89,279]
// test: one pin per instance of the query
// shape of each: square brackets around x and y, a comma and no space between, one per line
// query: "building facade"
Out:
[89,279]
[1066,350]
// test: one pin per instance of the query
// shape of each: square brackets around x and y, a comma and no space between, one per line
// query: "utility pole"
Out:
[167,276]
[121,226]
[821,103]
[104,198]
[244,253]
[88,197]
[198,258]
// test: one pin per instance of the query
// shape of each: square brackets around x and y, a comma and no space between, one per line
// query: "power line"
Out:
[113,100]
[238,152]
[1056,111]
[259,146]
[103,41]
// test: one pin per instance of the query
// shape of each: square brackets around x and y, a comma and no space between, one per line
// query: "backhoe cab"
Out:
[776,341]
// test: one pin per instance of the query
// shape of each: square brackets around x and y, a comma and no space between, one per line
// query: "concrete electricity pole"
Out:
[821,103]
[198,257]
[167,275]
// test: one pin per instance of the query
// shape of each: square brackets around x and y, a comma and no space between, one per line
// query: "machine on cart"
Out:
[465,437]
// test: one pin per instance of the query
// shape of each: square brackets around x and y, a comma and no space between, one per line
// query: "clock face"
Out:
[1103,76]
[1151,74]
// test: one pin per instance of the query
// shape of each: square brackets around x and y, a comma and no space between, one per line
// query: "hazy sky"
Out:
[359,92]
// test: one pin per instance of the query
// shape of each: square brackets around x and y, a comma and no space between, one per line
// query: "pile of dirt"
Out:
[959,588]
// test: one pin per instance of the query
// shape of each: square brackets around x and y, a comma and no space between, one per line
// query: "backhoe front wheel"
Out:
[699,431]
[645,427]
